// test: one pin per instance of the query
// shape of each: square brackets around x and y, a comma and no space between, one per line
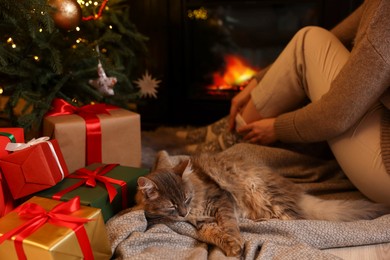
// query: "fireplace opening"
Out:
[234,76]
[227,42]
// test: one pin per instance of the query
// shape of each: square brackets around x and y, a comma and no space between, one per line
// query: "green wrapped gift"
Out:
[110,187]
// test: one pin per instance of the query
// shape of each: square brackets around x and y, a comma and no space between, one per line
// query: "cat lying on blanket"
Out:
[212,192]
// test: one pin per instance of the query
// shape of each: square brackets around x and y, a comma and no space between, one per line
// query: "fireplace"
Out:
[226,42]
[206,51]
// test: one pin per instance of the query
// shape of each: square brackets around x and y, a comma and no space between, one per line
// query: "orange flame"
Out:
[236,74]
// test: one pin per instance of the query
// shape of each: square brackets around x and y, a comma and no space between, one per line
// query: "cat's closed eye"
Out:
[172,208]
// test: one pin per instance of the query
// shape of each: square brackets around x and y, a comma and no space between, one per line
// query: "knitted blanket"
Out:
[132,238]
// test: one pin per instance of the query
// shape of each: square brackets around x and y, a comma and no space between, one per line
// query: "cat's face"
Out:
[164,195]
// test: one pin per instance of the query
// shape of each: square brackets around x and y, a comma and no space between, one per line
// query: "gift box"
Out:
[35,168]
[7,135]
[48,229]
[119,134]
[7,203]
[12,134]
[110,187]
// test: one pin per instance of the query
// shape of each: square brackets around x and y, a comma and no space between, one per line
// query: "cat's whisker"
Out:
[188,212]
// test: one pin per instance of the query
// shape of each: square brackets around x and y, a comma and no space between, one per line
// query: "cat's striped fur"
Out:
[213,191]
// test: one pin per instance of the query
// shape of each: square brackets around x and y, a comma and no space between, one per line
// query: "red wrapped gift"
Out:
[7,135]
[6,201]
[39,166]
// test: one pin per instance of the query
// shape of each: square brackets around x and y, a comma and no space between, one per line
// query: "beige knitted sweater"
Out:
[363,80]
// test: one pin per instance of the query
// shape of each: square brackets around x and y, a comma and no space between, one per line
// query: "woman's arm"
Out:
[346,30]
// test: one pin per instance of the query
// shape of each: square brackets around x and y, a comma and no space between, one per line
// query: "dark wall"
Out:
[162,22]
[335,10]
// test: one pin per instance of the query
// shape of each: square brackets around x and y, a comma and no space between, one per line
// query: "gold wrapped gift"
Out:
[54,241]
[120,133]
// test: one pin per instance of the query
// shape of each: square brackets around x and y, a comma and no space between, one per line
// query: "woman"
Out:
[345,76]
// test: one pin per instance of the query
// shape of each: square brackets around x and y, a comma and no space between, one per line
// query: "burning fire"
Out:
[236,75]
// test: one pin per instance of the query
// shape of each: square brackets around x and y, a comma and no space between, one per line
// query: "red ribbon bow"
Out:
[89,178]
[93,129]
[37,216]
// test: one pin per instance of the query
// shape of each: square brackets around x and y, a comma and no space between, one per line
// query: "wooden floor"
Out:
[370,252]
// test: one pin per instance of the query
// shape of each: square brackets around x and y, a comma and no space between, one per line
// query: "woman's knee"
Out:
[313,31]
[323,55]
[314,37]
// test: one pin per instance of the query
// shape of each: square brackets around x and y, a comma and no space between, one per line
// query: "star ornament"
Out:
[148,85]
[105,85]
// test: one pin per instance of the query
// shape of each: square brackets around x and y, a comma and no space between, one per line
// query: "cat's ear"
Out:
[148,187]
[184,168]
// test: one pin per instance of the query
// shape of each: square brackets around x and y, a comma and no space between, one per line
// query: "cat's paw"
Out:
[232,245]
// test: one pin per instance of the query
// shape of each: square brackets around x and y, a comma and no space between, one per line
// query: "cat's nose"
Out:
[183,212]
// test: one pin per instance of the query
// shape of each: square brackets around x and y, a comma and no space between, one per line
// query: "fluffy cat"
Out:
[213,192]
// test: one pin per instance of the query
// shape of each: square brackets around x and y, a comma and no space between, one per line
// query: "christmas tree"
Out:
[82,52]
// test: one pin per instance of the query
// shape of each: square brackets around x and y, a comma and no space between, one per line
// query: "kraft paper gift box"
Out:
[120,137]
[93,190]
[68,231]
[35,168]
[7,135]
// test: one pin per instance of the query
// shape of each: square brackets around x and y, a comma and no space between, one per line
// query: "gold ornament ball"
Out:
[66,13]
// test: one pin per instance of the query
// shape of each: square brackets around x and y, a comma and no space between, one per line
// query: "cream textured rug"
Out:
[132,238]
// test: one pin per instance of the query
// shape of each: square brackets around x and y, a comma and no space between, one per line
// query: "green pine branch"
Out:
[46,62]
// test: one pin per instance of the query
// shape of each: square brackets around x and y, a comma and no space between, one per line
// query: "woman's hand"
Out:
[239,101]
[259,132]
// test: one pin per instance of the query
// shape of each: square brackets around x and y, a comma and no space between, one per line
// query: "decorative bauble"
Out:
[66,13]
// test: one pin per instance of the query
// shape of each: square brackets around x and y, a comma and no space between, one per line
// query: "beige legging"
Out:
[297,75]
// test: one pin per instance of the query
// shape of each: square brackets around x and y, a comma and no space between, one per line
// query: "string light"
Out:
[1,90]
[80,40]
[100,11]
[36,58]
[11,42]
[198,14]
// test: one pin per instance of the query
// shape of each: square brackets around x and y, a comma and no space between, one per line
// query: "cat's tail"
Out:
[340,210]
